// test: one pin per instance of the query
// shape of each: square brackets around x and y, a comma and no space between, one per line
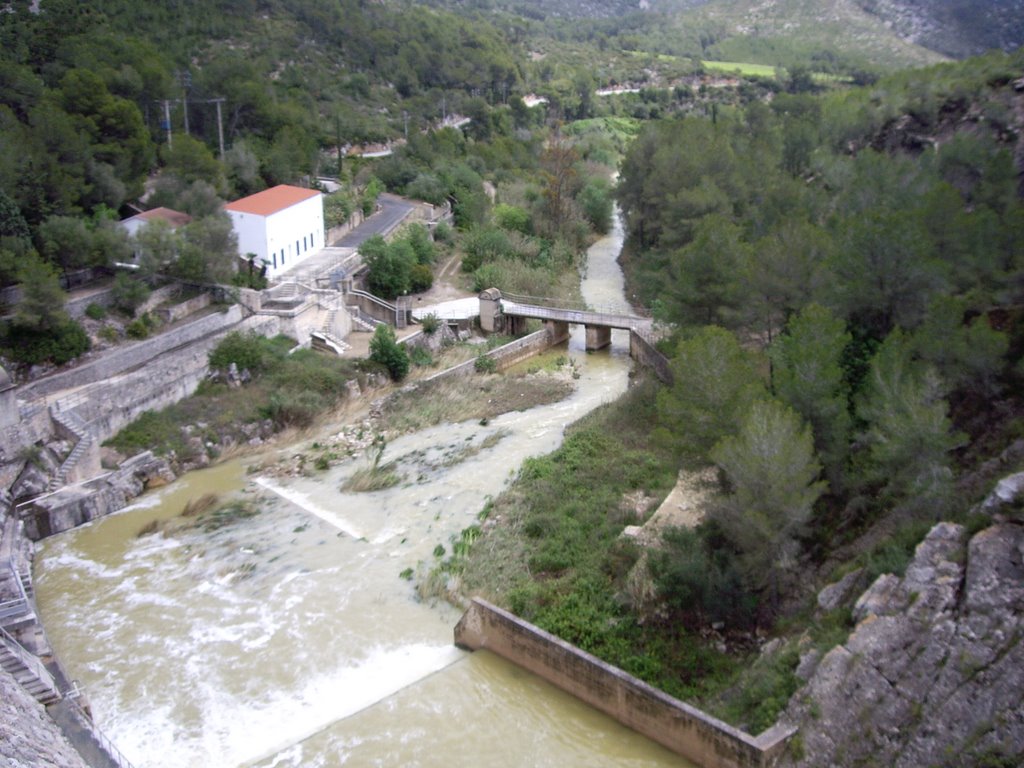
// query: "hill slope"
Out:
[955,28]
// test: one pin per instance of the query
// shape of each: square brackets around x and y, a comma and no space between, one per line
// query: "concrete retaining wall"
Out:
[76,307]
[177,312]
[644,352]
[161,295]
[506,355]
[698,737]
[131,355]
[108,406]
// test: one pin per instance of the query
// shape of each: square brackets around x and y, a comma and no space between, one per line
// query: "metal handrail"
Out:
[108,746]
[10,608]
[29,660]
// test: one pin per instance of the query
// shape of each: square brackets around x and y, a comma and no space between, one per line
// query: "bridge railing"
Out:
[620,310]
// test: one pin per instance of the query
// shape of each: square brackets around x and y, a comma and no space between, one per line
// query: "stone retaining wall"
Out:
[131,355]
[698,737]
[506,355]
[108,406]
[645,353]
[180,311]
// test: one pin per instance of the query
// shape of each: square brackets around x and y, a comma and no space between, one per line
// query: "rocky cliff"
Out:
[933,673]
[28,737]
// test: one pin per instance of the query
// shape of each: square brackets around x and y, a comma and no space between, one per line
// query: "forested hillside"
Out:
[954,27]
[841,274]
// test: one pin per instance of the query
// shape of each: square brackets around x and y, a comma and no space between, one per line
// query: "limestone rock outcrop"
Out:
[933,673]
[28,737]
[74,505]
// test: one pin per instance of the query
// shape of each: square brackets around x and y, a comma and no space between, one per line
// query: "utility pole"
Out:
[186,83]
[167,120]
[220,125]
[337,139]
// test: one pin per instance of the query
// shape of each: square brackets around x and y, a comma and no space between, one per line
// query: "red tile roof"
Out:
[271,200]
[172,217]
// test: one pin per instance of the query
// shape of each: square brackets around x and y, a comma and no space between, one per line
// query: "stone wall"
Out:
[176,312]
[698,737]
[131,355]
[506,355]
[107,406]
[75,505]
[645,353]
[28,737]
[76,307]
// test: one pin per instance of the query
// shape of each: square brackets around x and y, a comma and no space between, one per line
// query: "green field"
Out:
[747,70]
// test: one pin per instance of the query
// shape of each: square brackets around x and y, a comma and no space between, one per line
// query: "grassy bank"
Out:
[479,396]
[550,549]
[288,390]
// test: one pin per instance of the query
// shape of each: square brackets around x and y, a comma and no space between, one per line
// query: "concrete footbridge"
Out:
[509,313]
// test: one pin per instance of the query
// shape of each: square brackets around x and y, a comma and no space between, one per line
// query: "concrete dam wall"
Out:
[684,729]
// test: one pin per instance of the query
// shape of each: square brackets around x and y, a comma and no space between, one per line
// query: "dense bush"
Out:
[62,343]
[248,351]
[128,293]
[385,349]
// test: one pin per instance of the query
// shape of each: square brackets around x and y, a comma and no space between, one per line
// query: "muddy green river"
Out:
[289,638]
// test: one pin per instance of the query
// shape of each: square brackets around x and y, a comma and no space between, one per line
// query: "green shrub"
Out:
[96,312]
[420,278]
[484,244]
[248,351]
[137,329]
[109,333]
[421,357]
[512,218]
[245,279]
[31,346]
[430,323]
[485,364]
[128,293]
[443,233]
[385,349]
[294,409]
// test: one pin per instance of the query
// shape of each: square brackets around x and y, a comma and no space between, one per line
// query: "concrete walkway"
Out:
[458,309]
[338,256]
[393,210]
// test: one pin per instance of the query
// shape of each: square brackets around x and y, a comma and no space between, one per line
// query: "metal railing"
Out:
[30,661]
[115,754]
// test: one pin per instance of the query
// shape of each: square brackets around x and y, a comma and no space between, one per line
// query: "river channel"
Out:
[290,639]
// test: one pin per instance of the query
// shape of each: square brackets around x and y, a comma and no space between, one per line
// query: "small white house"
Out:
[134,224]
[282,226]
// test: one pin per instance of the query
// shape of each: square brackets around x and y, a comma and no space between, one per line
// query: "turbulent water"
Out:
[290,638]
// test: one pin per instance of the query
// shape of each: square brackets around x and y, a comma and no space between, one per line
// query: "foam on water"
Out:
[232,730]
[302,500]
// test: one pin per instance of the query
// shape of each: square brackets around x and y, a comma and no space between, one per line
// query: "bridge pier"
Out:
[598,337]
[558,331]
[515,326]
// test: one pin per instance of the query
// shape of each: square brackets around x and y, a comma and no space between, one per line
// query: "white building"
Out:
[173,219]
[282,226]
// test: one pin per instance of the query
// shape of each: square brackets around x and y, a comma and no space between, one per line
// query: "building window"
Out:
[282,255]
[297,247]
[275,261]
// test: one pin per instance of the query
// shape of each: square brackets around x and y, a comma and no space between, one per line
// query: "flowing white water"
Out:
[289,639]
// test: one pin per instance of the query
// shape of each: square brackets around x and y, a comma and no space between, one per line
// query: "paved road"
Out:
[392,211]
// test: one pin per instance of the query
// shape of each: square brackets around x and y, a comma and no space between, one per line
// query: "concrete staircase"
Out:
[74,425]
[27,670]
[327,338]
